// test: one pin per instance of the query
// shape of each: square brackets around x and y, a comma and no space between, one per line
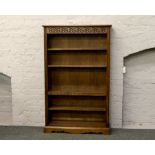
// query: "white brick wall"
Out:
[139,90]
[22,58]
[5,100]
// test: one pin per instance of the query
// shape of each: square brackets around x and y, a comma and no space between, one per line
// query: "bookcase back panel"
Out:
[77,58]
[77,79]
[77,101]
[97,41]
[77,116]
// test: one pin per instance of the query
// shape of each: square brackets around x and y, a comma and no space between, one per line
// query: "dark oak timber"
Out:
[77,76]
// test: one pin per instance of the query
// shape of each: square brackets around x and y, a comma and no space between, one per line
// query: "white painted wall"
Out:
[22,58]
[5,100]
[139,90]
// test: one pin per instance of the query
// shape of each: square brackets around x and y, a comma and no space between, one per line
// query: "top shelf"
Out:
[74,49]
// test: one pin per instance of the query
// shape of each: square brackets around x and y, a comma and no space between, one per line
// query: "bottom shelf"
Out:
[77,127]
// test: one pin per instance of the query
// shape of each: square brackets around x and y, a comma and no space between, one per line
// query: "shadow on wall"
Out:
[5,100]
[139,90]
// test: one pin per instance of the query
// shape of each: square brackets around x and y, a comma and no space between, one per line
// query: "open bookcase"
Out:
[77,64]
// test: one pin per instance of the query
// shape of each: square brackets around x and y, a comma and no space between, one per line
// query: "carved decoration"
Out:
[76,29]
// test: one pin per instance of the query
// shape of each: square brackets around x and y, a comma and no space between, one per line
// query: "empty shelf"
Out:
[77,66]
[74,49]
[77,108]
[77,124]
[78,91]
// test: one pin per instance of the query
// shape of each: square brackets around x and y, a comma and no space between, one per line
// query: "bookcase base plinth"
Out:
[76,130]
[77,127]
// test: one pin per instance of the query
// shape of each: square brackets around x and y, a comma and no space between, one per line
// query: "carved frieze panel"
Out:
[76,29]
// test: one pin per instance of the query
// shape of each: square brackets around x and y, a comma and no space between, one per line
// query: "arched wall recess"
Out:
[139,90]
[5,100]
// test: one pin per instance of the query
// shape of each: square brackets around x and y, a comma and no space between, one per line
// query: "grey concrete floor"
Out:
[36,133]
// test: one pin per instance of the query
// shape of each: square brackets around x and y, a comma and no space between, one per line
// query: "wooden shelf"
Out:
[77,123]
[75,49]
[83,91]
[76,108]
[77,66]
[76,93]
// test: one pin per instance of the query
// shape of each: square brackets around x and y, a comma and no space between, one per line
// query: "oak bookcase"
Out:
[77,66]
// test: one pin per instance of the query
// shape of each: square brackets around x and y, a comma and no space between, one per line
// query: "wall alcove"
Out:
[139,90]
[5,100]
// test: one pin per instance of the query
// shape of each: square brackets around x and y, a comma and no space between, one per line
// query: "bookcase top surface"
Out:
[77,25]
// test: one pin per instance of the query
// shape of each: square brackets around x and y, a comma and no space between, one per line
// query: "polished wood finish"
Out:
[77,73]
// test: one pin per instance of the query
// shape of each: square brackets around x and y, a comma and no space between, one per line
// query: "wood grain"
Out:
[77,75]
